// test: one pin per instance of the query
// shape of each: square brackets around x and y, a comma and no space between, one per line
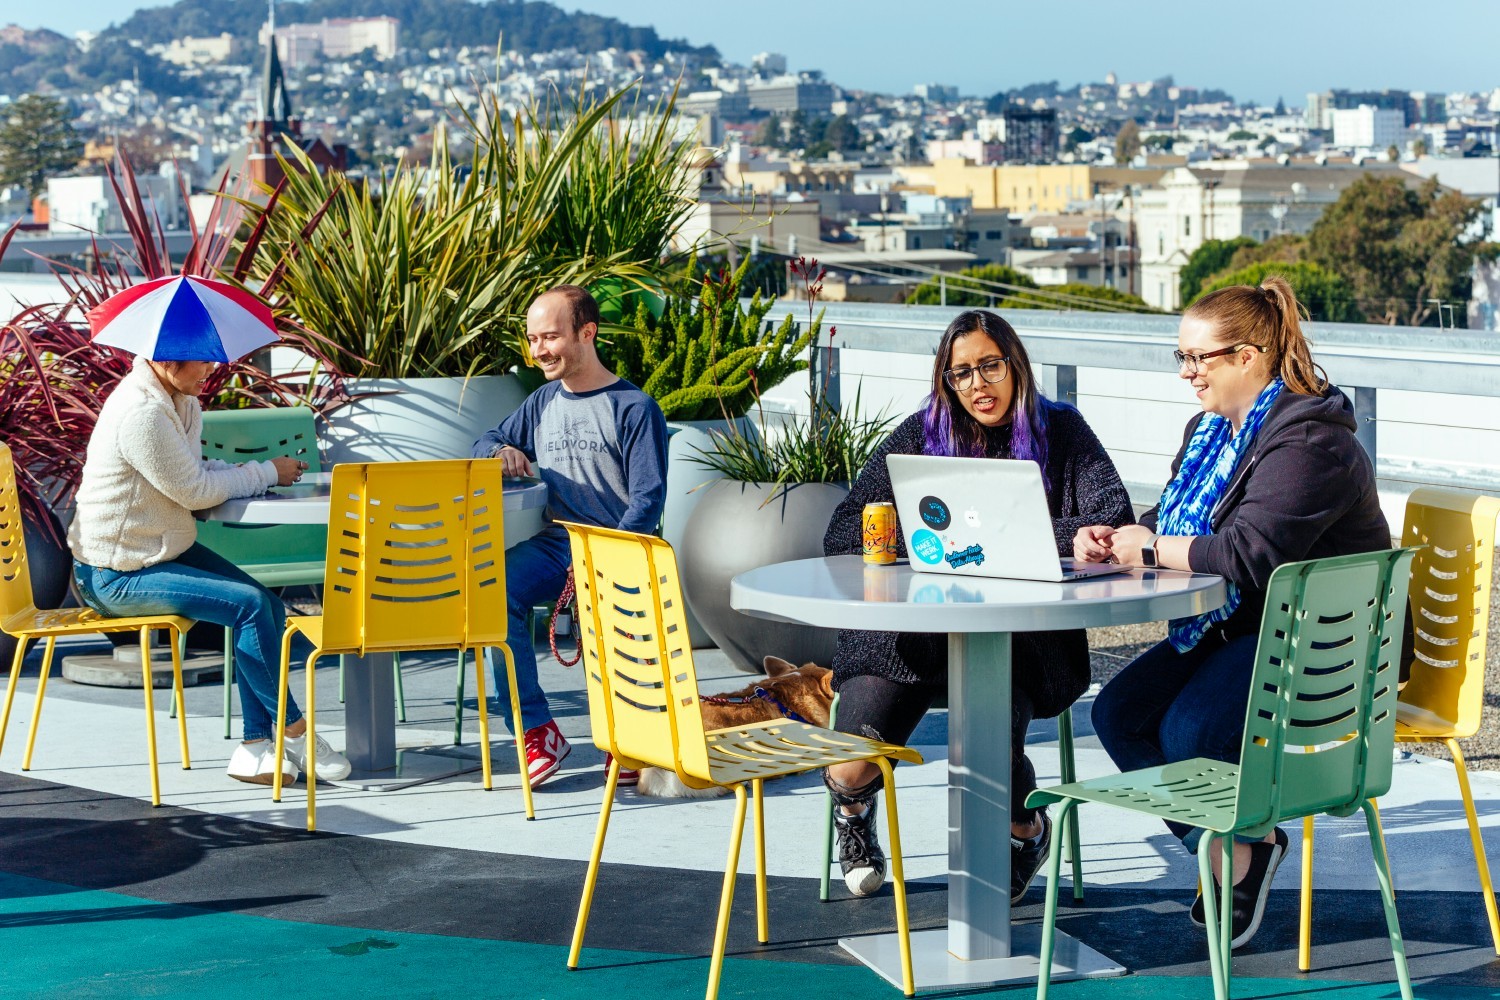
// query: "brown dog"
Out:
[804,693]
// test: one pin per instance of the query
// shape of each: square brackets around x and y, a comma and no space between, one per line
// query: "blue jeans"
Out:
[1168,706]
[204,586]
[535,572]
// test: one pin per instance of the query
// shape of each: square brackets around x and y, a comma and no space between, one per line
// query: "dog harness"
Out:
[760,693]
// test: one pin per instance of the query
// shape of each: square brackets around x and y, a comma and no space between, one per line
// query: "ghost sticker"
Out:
[971,517]
[934,513]
[927,547]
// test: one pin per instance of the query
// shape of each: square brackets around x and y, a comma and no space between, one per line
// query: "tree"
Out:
[1399,247]
[971,293]
[1208,260]
[37,140]
[1288,248]
[769,133]
[1419,148]
[1239,135]
[1392,153]
[1328,297]
[1067,297]
[1127,141]
[1158,140]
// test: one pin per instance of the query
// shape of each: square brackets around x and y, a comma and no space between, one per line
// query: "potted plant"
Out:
[775,490]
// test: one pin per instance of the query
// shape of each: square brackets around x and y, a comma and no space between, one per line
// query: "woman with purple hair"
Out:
[984,404]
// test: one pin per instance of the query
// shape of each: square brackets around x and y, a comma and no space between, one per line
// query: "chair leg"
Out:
[1304,918]
[833,717]
[484,731]
[1216,958]
[150,714]
[1387,898]
[1480,861]
[228,680]
[762,905]
[179,643]
[312,743]
[898,875]
[515,716]
[10,687]
[172,701]
[1068,826]
[1226,911]
[400,689]
[1049,917]
[726,897]
[593,871]
[458,697]
[341,679]
[36,709]
[281,691]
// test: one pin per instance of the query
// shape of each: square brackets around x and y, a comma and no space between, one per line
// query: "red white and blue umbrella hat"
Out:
[184,318]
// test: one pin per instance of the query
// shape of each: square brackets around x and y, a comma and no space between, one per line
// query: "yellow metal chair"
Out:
[643,708]
[416,560]
[21,618]
[1444,698]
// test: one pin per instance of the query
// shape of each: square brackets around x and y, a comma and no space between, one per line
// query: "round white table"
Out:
[369,686]
[979,946]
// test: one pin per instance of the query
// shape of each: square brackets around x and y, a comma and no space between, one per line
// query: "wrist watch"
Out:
[1148,552]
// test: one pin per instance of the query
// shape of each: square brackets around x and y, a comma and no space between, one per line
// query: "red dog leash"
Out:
[563,600]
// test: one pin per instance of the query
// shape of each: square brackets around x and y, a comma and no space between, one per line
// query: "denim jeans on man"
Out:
[535,572]
[1168,706]
[202,585]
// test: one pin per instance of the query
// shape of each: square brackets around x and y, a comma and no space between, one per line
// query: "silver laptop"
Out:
[980,517]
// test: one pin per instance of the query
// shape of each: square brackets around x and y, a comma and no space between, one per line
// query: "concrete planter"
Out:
[424,419]
[737,527]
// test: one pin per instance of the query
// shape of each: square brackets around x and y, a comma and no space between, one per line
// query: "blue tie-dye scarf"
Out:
[1189,499]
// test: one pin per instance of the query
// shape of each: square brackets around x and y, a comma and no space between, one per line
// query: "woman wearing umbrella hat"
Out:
[134,538]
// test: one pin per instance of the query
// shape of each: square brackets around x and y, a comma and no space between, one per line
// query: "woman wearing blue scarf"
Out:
[1269,473]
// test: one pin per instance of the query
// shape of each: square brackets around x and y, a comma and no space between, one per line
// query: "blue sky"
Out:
[1256,52]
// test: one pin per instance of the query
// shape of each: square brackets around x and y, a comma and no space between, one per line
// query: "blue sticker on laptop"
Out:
[963,557]
[927,547]
[934,513]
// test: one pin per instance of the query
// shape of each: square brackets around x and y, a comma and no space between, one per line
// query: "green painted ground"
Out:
[64,942]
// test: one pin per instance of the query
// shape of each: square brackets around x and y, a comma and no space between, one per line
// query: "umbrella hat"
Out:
[184,318]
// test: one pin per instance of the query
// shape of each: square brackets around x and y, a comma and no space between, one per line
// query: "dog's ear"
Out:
[777,667]
[826,683]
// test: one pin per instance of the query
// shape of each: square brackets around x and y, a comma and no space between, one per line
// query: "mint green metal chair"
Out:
[1067,824]
[1319,733]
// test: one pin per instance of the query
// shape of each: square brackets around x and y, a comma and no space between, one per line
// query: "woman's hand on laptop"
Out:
[1094,543]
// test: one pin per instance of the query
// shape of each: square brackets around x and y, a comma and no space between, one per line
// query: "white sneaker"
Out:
[331,765]
[255,763]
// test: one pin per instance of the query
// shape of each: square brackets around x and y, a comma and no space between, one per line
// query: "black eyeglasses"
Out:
[992,371]
[1191,363]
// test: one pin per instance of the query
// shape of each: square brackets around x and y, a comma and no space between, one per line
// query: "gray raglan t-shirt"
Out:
[602,454]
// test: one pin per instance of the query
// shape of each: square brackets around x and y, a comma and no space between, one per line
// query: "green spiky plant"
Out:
[706,358]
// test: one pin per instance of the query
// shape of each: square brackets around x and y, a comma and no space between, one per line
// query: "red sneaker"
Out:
[546,749]
[626,777]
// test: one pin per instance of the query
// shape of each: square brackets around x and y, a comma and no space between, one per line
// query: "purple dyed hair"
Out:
[947,427]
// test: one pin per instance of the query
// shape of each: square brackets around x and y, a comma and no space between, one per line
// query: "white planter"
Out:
[734,529]
[423,419]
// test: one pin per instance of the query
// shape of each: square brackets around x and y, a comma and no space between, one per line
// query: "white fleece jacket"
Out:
[144,475]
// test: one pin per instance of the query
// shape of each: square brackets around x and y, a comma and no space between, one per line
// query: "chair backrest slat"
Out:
[1450,607]
[1320,724]
[638,659]
[15,573]
[415,555]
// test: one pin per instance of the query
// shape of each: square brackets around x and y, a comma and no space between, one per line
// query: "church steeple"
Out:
[275,101]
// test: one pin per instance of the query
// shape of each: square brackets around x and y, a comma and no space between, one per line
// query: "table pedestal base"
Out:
[936,968]
[414,766]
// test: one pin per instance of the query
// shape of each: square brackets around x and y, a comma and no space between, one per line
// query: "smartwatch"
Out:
[1148,553]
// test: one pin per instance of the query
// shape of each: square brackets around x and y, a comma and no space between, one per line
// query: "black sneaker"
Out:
[860,856]
[1250,895]
[1026,857]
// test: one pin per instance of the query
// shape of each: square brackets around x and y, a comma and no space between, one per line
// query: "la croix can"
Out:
[880,533]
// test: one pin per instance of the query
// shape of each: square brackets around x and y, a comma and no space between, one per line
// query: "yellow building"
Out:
[1024,188]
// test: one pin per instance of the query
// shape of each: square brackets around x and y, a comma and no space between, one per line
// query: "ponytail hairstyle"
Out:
[1268,317]
[948,429]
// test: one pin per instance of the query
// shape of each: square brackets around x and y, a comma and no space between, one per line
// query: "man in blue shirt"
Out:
[600,445]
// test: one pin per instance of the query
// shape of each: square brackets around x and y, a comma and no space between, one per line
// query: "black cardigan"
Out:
[1082,488]
[1305,490]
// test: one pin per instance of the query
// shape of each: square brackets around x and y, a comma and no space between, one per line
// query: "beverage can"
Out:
[880,533]
[880,584]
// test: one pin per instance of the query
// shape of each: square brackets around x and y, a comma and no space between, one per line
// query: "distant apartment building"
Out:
[769,63]
[1414,108]
[786,95]
[974,149]
[1194,204]
[78,205]
[1022,188]
[1367,127]
[302,45]
[1030,135]
[936,93]
[199,51]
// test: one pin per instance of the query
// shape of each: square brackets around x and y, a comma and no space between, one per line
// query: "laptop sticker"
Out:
[927,547]
[963,557]
[935,513]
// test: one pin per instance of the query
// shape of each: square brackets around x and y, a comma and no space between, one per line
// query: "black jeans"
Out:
[885,710]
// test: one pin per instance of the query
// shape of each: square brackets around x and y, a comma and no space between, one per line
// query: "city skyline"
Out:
[1320,47]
